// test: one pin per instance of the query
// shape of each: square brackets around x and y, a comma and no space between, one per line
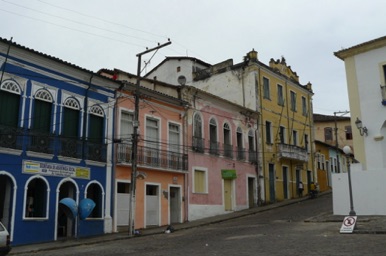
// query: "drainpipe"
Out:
[260,119]
[114,158]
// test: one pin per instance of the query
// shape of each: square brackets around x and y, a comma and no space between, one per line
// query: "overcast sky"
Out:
[96,34]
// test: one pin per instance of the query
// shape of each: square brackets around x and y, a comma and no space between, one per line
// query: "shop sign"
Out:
[54,169]
[228,174]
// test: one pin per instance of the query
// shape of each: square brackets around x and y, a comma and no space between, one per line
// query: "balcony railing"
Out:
[228,150]
[240,153]
[292,152]
[96,151]
[153,157]
[198,144]
[214,147]
[70,147]
[11,137]
[40,142]
[252,158]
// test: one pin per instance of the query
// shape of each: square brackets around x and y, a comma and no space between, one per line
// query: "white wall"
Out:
[373,113]
[368,189]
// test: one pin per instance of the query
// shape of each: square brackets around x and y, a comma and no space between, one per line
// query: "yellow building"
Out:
[286,131]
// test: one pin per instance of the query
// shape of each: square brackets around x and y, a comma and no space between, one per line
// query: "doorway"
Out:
[66,222]
[285,182]
[175,205]
[228,195]
[6,201]
[251,192]
[272,197]
[152,205]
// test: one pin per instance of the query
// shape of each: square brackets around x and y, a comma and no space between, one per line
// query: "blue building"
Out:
[56,125]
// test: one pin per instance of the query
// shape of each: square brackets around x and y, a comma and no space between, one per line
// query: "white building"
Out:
[365,66]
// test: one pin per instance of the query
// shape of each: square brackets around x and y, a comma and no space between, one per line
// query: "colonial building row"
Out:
[211,139]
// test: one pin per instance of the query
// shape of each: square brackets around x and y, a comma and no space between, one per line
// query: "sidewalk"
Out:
[365,224]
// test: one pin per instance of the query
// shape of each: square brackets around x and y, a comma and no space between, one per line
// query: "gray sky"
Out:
[96,34]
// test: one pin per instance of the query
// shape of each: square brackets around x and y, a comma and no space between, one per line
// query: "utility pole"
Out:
[336,137]
[135,140]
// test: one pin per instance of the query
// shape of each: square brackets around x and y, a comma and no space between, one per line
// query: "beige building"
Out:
[334,130]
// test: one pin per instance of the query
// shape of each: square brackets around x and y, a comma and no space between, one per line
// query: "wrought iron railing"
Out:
[152,157]
[214,147]
[96,151]
[11,137]
[252,157]
[70,147]
[40,142]
[292,152]
[198,144]
[240,153]
[228,150]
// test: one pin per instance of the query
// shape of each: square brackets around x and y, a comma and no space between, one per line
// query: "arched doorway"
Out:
[66,223]
[7,200]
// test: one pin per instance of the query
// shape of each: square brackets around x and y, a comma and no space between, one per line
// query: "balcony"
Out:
[70,147]
[252,158]
[11,137]
[40,142]
[153,157]
[214,147]
[292,152]
[96,151]
[240,153]
[198,144]
[228,150]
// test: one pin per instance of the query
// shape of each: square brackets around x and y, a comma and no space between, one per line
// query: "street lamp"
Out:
[362,129]
[348,152]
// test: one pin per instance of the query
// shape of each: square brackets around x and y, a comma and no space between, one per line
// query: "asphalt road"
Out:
[280,231]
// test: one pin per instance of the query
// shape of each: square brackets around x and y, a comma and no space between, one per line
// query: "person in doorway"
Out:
[300,189]
[313,192]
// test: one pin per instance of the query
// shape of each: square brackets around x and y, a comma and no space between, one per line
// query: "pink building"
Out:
[221,138]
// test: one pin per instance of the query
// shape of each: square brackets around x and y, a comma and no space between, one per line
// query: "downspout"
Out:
[260,120]
[5,61]
[185,152]
[257,169]
[312,136]
[114,158]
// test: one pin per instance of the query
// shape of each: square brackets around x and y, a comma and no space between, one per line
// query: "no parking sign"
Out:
[348,224]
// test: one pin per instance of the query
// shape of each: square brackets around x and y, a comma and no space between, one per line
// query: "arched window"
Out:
[70,145]
[96,148]
[36,198]
[213,147]
[96,124]
[239,141]
[197,126]
[41,120]
[71,118]
[198,141]
[228,150]
[94,192]
[251,144]
[9,103]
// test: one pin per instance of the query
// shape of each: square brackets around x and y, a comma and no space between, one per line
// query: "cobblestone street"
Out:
[302,228]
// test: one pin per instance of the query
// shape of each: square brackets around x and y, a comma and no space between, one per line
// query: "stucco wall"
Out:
[368,192]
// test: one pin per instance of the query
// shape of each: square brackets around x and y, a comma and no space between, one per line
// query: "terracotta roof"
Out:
[326,118]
